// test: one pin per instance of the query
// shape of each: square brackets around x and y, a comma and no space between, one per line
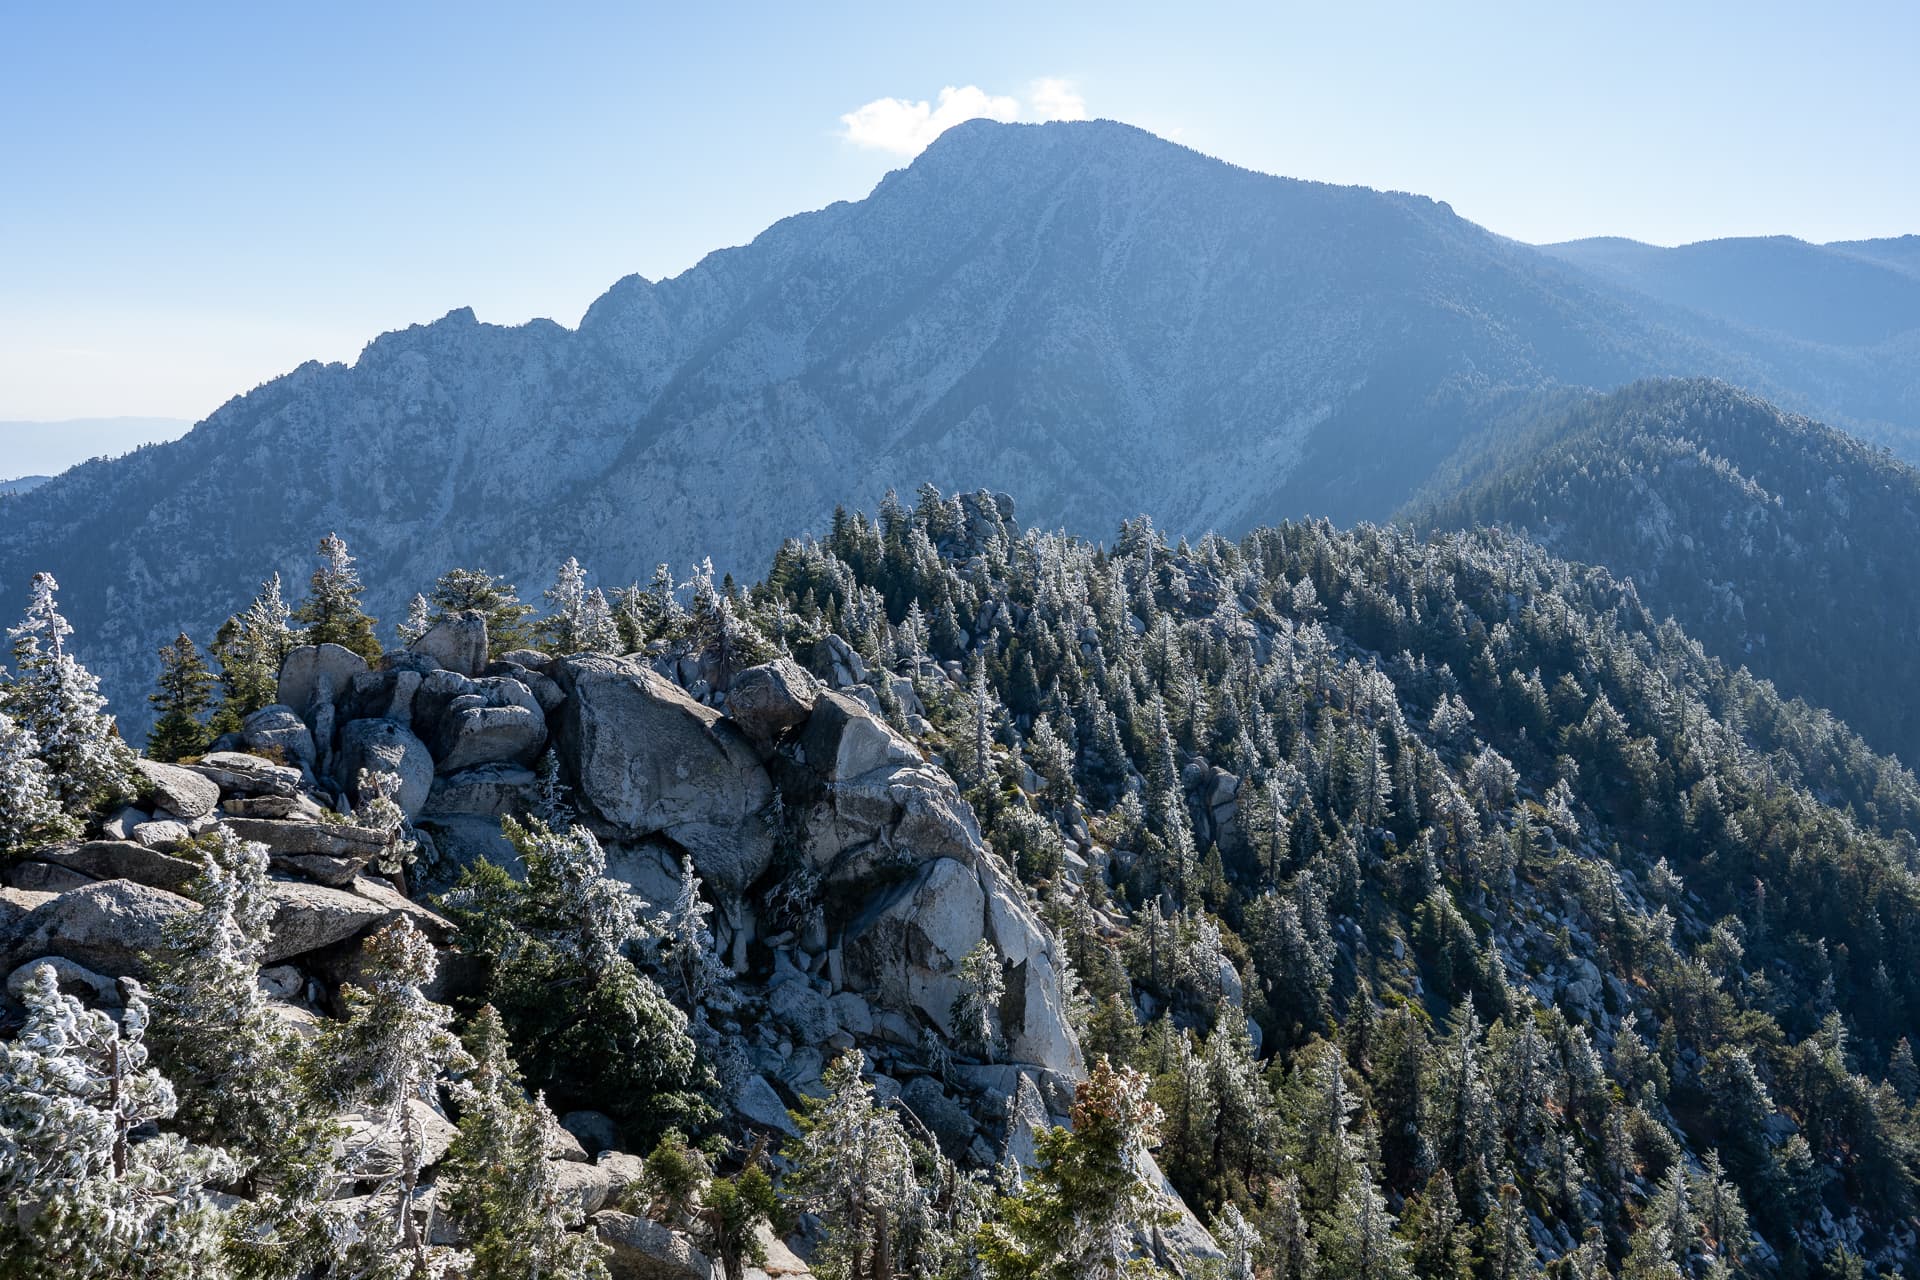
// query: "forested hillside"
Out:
[1426,908]
[1778,543]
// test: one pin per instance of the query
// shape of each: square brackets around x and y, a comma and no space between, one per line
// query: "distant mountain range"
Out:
[1098,321]
[1778,543]
[20,484]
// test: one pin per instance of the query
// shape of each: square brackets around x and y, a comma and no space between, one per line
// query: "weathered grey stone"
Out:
[307,917]
[805,1011]
[124,859]
[583,1188]
[330,852]
[106,926]
[16,903]
[278,732]
[161,833]
[371,1149]
[385,746]
[73,979]
[758,1104]
[647,759]
[179,790]
[381,695]
[457,643]
[120,826]
[531,659]
[644,1250]
[623,1171]
[488,790]
[309,666]
[461,840]
[946,1118]
[282,980]
[497,721]
[843,740]
[905,948]
[768,700]
[44,877]
[300,808]
[237,773]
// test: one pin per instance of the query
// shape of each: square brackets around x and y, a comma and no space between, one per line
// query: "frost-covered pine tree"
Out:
[379,809]
[506,1193]
[551,803]
[383,1058]
[58,701]
[564,628]
[332,609]
[251,645]
[418,622]
[853,1166]
[230,1057]
[29,813]
[1238,1240]
[976,1009]
[687,952]
[598,631]
[1077,1212]
[79,1198]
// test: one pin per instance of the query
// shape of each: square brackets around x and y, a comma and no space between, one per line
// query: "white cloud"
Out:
[904,127]
[1056,99]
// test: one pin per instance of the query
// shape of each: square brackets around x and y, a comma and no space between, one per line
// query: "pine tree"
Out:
[853,1166]
[461,589]
[79,1199]
[581,620]
[976,1009]
[383,1057]
[419,621]
[700,980]
[332,609]
[29,813]
[506,1193]
[230,1057]
[251,646]
[185,689]
[1238,1240]
[1357,1240]
[58,702]
[1075,1217]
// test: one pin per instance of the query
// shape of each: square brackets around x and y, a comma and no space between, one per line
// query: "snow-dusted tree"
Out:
[180,701]
[58,701]
[853,1166]
[418,622]
[383,1058]
[551,802]
[461,589]
[1357,1240]
[1076,1214]
[580,621]
[588,1025]
[506,1192]
[379,808]
[332,609]
[230,1057]
[976,1008]
[699,979]
[1238,1240]
[29,813]
[251,645]
[1287,1246]
[716,629]
[78,1196]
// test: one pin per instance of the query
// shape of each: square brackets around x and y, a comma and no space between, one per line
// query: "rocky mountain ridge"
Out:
[1079,311]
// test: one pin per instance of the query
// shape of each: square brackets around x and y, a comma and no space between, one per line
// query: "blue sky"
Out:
[195,198]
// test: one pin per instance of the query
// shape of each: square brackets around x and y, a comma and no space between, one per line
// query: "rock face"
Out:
[236,773]
[104,927]
[312,670]
[458,643]
[491,720]
[648,760]
[330,852]
[386,746]
[181,792]
[645,1250]
[279,731]
[769,699]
